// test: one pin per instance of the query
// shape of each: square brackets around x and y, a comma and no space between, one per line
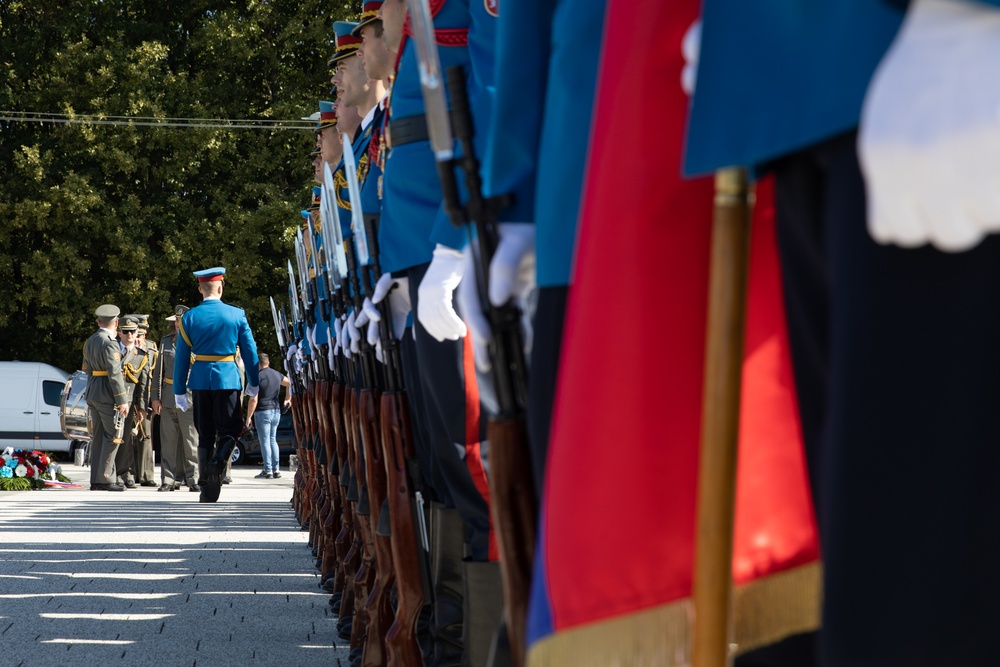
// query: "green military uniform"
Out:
[102,361]
[178,436]
[145,464]
[135,370]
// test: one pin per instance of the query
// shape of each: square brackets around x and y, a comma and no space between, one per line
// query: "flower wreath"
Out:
[23,470]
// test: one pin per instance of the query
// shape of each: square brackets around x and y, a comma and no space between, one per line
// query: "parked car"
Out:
[248,447]
[29,406]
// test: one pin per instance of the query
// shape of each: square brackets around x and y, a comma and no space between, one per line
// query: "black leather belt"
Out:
[408,130]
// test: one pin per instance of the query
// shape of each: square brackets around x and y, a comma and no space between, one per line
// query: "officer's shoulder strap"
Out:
[180,326]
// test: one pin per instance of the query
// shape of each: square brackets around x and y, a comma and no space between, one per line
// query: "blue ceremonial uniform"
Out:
[775,76]
[546,51]
[205,363]
[413,217]
[893,355]
[445,396]
[214,329]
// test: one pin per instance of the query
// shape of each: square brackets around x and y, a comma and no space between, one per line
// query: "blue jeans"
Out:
[267,432]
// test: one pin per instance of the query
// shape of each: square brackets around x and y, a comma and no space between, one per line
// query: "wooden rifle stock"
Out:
[513,503]
[401,644]
[378,607]
[397,438]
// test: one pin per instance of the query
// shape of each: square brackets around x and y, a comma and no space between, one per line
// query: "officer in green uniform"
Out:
[135,370]
[178,436]
[144,444]
[106,397]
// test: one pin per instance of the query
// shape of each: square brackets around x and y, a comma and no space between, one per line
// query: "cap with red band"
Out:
[208,275]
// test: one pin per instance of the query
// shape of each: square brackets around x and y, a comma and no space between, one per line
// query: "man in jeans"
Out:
[265,408]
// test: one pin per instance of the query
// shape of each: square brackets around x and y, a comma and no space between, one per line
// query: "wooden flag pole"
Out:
[720,418]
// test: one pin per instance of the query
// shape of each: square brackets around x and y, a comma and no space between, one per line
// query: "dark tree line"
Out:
[93,214]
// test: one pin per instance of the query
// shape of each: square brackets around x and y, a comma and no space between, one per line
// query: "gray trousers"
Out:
[102,449]
[126,460]
[178,446]
[144,451]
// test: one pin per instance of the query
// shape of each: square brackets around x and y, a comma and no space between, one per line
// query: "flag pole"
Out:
[720,418]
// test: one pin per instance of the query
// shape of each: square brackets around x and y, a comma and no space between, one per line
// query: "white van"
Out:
[30,393]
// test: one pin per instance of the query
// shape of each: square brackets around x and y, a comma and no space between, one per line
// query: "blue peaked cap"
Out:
[206,275]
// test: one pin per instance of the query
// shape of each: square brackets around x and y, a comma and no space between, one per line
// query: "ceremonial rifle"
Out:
[411,562]
[378,604]
[352,536]
[512,492]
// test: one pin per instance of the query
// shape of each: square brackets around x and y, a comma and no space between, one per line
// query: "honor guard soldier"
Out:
[135,370]
[417,241]
[210,335]
[145,462]
[178,436]
[106,398]
[885,198]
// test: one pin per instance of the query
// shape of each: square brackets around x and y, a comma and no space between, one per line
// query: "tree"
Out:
[93,214]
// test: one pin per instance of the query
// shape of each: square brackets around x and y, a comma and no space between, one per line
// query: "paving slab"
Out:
[150,578]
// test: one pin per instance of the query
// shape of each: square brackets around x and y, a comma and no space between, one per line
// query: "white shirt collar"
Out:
[370,116]
[213,297]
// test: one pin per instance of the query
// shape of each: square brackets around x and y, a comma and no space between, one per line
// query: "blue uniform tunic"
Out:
[548,50]
[775,76]
[413,217]
[214,328]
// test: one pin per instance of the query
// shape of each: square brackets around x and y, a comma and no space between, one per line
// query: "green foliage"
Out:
[93,214]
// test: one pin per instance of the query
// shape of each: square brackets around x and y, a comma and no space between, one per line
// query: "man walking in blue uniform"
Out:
[210,336]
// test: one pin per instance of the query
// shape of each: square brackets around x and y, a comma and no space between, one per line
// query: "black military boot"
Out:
[483,611]
[216,468]
[204,457]
[447,552]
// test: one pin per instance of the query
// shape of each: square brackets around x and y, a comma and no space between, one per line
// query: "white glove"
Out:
[435,310]
[291,351]
[311,335]
[512,271]
[690,50]
[252,390]
[331,350]
[354,333]
[182,402]
[930,129]
[472,308]
[398,290]
[338,330]
[378,350]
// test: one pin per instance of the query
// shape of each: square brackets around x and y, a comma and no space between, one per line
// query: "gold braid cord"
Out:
[131,372]
[340,181]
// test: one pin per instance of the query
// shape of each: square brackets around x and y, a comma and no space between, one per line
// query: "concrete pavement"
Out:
[150,578]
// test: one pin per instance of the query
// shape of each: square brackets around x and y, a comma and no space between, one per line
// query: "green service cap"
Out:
[178,311]
[129,324]
[107,311]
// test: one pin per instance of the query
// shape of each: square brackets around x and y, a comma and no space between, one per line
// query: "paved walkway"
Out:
[144,578]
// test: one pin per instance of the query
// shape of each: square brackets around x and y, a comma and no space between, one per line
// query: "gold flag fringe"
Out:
[766,611]
[777,606]
[657,637]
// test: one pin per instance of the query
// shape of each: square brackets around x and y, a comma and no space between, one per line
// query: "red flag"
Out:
[614,575]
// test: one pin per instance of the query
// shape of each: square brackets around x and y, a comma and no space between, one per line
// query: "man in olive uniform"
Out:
[178,436]
[144,439]
[106,397]
[135,370]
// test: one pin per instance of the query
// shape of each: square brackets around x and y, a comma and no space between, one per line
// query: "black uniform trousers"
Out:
[217,413]
[546,350]
[897,364]
[451,410]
